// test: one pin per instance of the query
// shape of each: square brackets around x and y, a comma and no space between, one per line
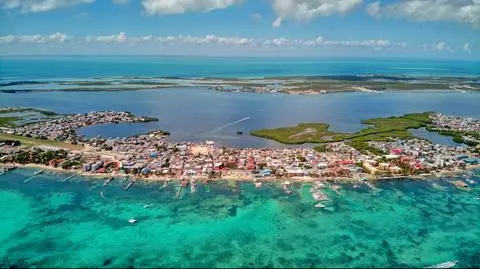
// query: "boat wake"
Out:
[218,129]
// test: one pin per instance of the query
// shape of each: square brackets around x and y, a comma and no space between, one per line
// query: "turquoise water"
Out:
[47,223]
[56,67]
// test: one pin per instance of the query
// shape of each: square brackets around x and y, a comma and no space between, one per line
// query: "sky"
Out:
[443,29]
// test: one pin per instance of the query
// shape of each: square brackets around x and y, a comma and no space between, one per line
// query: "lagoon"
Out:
[199,114]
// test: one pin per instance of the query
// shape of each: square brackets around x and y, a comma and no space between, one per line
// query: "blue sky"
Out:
[364,28]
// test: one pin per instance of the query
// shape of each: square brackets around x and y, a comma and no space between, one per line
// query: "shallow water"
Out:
[73,67]
[47,223]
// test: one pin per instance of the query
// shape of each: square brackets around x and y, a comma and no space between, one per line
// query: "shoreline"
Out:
[156,179]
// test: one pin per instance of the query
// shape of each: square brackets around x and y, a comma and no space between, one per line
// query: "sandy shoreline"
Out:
[249,179]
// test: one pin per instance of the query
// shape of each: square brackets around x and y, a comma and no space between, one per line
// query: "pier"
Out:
[5,169]
[67,178]
[193,186]
[183,184]
[108,181]
[129,185]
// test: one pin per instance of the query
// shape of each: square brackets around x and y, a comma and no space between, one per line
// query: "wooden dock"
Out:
[67,178]
[129,185]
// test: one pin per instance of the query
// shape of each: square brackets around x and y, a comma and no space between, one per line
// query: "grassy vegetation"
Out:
[30,142]
[8,121]
[300,134]
[27,109]
[381,130]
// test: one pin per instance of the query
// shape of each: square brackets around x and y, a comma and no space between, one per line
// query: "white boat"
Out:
[444,265]
[319,205]
[147,205]
[132,221]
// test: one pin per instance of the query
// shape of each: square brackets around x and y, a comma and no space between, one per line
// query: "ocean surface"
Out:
[48,223]
[64,67]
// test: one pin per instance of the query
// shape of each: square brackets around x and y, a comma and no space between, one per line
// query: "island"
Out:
[304,85]
[385,150]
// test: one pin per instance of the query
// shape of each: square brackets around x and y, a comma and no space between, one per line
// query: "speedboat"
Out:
[319,205]
[444,265]
[147,205]
[132,221]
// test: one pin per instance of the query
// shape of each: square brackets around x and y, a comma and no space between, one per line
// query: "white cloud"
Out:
[465,11]
[308,9]
[439,46]
[152,7]
[277,22]
[121,37]
[207,40]
[213,40]
[7,39]
[257,16]
[466,48]
[40,5]
[142,38]
[57,37]
[373,9]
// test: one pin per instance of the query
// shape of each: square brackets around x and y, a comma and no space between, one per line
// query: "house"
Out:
[369,168]
[266,172]
[295,172]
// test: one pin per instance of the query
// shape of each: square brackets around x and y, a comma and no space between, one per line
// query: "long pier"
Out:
[129,185]
[67,178]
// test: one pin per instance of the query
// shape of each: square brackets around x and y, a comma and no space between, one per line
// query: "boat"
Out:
[239,132]
[101,194]
[355,186]
[147,205]
[132,221]
[471,181]
[319,205]
[444,265]
[38,172]
[286,189]
[336,189]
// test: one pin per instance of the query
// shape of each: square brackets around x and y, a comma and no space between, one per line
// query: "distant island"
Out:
[305,85]
[385,150]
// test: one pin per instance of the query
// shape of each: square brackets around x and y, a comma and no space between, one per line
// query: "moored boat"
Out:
[444,265]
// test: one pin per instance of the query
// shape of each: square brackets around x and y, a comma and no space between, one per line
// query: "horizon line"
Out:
[243,56]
